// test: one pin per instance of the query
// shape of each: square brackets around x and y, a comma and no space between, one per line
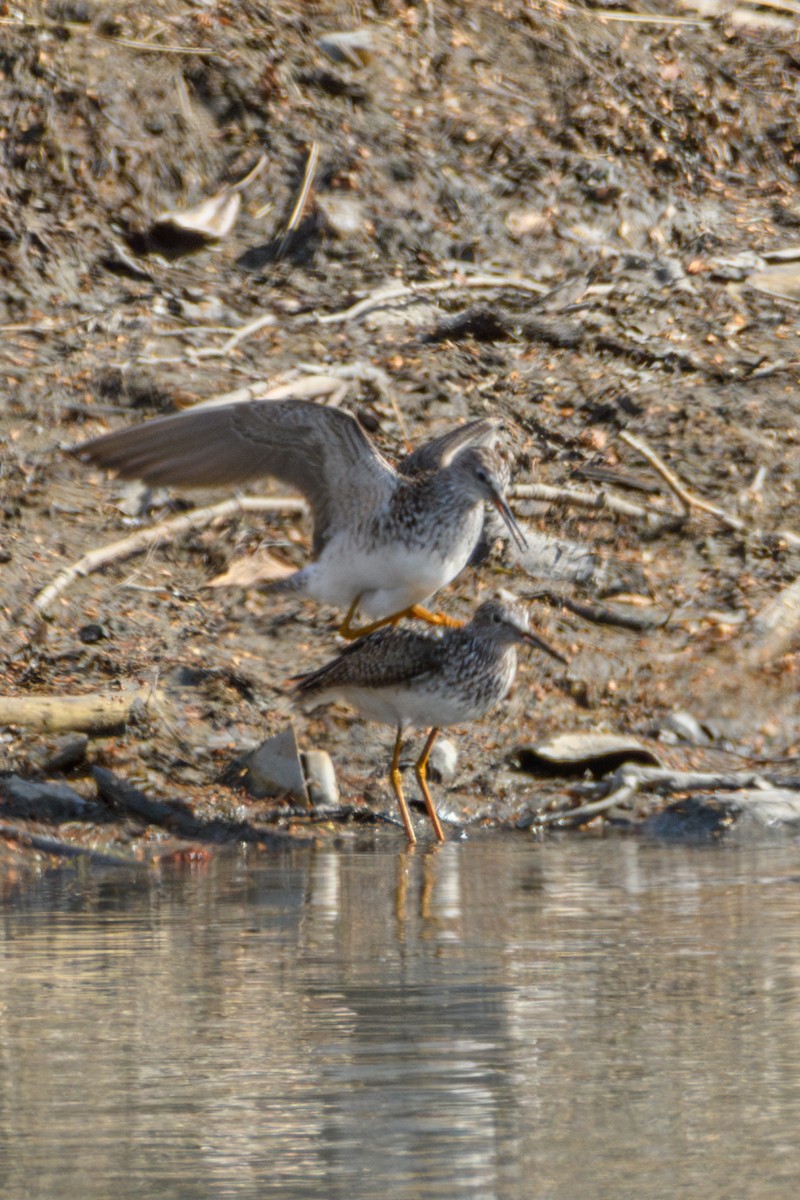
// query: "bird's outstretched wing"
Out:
[322,452]
[442,450]
[384,659]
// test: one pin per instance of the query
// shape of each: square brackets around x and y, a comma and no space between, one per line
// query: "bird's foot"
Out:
[352,632]
[421,771]
[433,618]
[349,630]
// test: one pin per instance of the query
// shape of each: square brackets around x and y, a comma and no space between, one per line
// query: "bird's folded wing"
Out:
[384,659]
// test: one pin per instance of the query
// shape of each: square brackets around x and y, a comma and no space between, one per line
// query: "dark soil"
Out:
[635,170]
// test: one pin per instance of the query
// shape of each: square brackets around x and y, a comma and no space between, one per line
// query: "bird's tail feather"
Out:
[282,587]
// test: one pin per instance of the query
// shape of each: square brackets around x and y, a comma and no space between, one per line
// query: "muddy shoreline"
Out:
[586,226]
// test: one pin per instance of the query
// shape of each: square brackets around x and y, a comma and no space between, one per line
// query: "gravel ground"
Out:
[627,185]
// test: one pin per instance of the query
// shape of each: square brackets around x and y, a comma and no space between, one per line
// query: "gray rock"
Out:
[343,215]
[443,760]
[686,728]
[746,813]
[695,819]
[320,775]
[561,561]
[773,808]
[554,558]
[274,769]
[56,801]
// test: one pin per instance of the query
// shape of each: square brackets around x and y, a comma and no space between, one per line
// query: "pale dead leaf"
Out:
[246,572]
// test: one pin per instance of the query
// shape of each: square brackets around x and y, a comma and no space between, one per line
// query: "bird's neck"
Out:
[448,484]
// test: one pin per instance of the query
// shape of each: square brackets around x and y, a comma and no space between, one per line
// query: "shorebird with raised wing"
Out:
[385,540]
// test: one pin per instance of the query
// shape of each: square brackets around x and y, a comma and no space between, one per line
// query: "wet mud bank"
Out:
[580,223]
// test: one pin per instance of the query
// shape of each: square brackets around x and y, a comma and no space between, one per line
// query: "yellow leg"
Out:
[424,614]
[421,770]
[394,776]
[347,629]
[350,631]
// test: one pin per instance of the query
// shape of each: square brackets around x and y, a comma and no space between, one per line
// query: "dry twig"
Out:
[383,297]
[598,500]
[228,346]
[638,18]
[156,535]
[688,500]
[302,199]
[92,713]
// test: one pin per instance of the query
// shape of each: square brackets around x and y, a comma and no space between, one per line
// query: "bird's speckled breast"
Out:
[478,678]
[400,555]
[435,511]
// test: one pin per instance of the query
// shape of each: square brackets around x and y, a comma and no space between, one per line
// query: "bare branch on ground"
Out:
[688,500]
[95,712]
[156,535]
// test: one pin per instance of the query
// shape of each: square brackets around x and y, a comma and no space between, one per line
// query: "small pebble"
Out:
[443,760]
[92,633]
[323,789]
[686,728]
[274,769]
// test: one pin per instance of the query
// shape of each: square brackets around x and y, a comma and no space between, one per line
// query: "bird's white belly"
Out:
[387,581]
[415,708]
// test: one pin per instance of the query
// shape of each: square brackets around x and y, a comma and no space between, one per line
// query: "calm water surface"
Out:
[491,1019]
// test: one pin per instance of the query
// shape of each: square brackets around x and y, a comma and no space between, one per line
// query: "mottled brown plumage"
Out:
[408,679]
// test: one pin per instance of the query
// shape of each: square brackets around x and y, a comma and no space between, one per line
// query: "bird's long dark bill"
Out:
[511,522]
[533,639]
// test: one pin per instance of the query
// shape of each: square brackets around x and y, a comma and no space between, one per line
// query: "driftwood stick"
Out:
[262,321]
[46,845]
[386,296]
[246,331]
[631,778]
[597,613]
[777,625]
[302,199]
[587,812]
[662,779]
[155,535]
[177,817]
[688,500]
[95,712]
[583,499]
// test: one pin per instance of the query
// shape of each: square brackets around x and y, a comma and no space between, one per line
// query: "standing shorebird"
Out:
[416,680]
[385,540]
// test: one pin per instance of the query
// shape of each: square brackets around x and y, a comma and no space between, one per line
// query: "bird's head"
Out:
[485,474]
[507,624]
